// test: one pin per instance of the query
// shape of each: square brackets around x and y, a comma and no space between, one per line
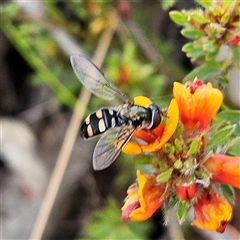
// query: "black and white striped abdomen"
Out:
[99,122]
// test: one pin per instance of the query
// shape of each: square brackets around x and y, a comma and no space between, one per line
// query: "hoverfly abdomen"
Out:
[99,122]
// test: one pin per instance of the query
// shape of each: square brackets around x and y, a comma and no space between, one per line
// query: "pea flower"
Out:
[211,212]
[187,165]
[143,199]
[198,103]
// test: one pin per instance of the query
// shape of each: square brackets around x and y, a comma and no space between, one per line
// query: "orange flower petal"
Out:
[170,127]
[211,212]
[145,135]
[149,194]
[199,107]
[224,169]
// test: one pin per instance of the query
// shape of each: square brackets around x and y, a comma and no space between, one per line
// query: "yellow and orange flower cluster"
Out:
[184,164]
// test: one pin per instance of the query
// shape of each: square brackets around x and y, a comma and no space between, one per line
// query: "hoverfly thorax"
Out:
[139,116]
[117,125]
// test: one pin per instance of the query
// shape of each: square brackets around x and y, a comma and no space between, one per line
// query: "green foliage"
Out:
[231,116]
[206,3]
[210,28]
[106,224]
[194,147]
[29,39]
[205,72]
[166,4]
[222,136]
[178,17]
[228,192]
[131,74]
[198,17]
[191,33]
[234,149]
[225,133]
[182,211]
[164,176]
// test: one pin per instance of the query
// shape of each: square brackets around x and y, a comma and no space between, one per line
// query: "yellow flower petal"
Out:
[142,101]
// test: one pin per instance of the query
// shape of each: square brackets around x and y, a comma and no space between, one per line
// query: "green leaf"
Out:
[164,176]
[168,148]
[178,17]
[221,136]
[224,19]
[199,18]
[195,145]
[166,4]
[232,116]
[188,47]
[235,149]
[178,164]
[205,3]
[192,51]
[177,132]
[195,54]
[182,211]
[205,72]
[209,46]
[228,192]
[212,55]
[178,145]
[191,33]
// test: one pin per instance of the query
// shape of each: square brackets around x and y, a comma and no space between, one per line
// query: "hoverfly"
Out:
[118,124]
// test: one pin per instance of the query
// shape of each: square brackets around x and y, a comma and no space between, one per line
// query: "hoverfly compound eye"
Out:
[156,116]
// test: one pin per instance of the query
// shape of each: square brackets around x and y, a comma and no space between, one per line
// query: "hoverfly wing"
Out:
[96,81]
[110,146]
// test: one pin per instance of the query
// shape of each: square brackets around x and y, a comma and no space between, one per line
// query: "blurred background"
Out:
[139,48]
